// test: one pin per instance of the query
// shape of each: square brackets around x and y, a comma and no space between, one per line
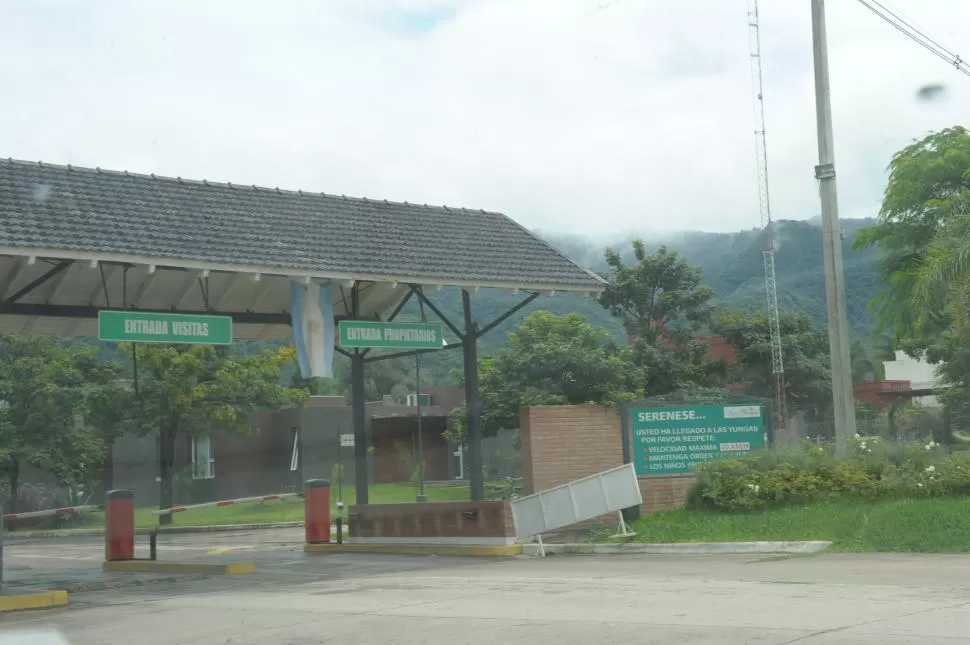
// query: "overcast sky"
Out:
[567,116]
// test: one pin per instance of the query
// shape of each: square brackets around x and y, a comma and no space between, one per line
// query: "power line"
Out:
[911,31]
[908,22]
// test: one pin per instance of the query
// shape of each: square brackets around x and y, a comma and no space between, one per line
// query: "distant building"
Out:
[296,444]
[907,380]
[920,374]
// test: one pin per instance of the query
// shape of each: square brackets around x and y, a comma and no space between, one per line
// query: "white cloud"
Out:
[567,117]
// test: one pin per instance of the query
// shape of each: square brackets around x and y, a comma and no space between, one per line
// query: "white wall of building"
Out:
[920,374]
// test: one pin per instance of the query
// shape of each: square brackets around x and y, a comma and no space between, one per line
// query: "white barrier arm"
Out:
[225,502]
[67,510]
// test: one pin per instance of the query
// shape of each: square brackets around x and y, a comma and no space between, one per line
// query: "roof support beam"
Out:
[33,284]
[498,321]
[423,298]
[109,274]
[57,283]
[71,331]
[144,288]
[91,312]
[263,290]
[233,281]
[12,275]
[183,290]
[411,352]
[400,306]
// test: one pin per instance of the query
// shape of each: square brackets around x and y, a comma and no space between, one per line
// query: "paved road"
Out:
[356,599]
[42,563]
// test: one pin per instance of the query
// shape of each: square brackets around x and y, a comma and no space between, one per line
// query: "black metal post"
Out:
[473,405]
[340,469]
[1,548]
[422,496]
[359,411]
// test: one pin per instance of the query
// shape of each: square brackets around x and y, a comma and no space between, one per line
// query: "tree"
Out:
[928,188]
[662,303]
[660,299]
[194,390]
[550,360]
[42,396]
[804,347]
[108,405]
[923,231]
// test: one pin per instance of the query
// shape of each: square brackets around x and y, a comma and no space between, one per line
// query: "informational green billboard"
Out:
[672,439]
[150,327]
[390,335]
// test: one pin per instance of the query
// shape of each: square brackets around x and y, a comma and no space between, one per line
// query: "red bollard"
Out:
[119,525]
[316,501]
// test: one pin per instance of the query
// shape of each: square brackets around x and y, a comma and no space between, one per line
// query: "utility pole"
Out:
[843,400]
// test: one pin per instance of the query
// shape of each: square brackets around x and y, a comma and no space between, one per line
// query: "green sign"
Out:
[144,327]
[365,333]
[669,440]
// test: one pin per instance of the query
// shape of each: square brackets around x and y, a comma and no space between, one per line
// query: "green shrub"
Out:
[808,473]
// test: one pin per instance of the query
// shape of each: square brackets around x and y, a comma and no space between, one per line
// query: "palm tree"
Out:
[943,279]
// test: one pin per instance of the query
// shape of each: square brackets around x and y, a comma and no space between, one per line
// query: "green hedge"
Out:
[875,469]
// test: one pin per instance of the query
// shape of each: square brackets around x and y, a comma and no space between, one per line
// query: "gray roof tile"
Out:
[46,206]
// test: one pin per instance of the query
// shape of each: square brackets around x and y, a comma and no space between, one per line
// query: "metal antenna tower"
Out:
[767,226]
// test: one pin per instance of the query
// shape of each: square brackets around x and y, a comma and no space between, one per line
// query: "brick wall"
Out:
[440,522]
[561,443]
[664,492]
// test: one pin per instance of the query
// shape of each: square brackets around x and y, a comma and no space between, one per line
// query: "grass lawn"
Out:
[927,526]
[286,510]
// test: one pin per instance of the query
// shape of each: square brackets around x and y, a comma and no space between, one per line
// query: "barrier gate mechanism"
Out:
[153,536]
[50,512]
[583,499]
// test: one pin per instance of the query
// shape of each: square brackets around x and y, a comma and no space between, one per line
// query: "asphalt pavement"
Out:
[355,599]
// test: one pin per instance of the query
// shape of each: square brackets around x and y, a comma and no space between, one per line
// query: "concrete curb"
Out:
[205,528]
[682,548]
[38,600]
[157,566]
[419,549]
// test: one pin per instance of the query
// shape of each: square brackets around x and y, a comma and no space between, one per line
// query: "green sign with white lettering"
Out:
[391,335]
[146,327]
[670,440]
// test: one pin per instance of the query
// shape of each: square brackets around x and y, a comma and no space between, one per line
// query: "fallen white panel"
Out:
[583,499]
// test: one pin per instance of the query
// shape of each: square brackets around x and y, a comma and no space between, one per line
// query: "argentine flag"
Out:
[311,316]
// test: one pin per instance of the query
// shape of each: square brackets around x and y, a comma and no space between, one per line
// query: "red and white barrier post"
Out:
[316,501]
[119,525]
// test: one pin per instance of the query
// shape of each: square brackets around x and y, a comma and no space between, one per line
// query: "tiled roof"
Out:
[44,206]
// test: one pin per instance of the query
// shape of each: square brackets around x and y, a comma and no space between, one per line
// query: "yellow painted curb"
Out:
[40,600]
[154,566]
[418,549]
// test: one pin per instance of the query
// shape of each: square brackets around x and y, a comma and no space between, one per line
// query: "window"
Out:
[412,400]
[295,454]
[203,462]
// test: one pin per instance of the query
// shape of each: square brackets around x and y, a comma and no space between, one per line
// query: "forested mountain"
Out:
[731,262]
